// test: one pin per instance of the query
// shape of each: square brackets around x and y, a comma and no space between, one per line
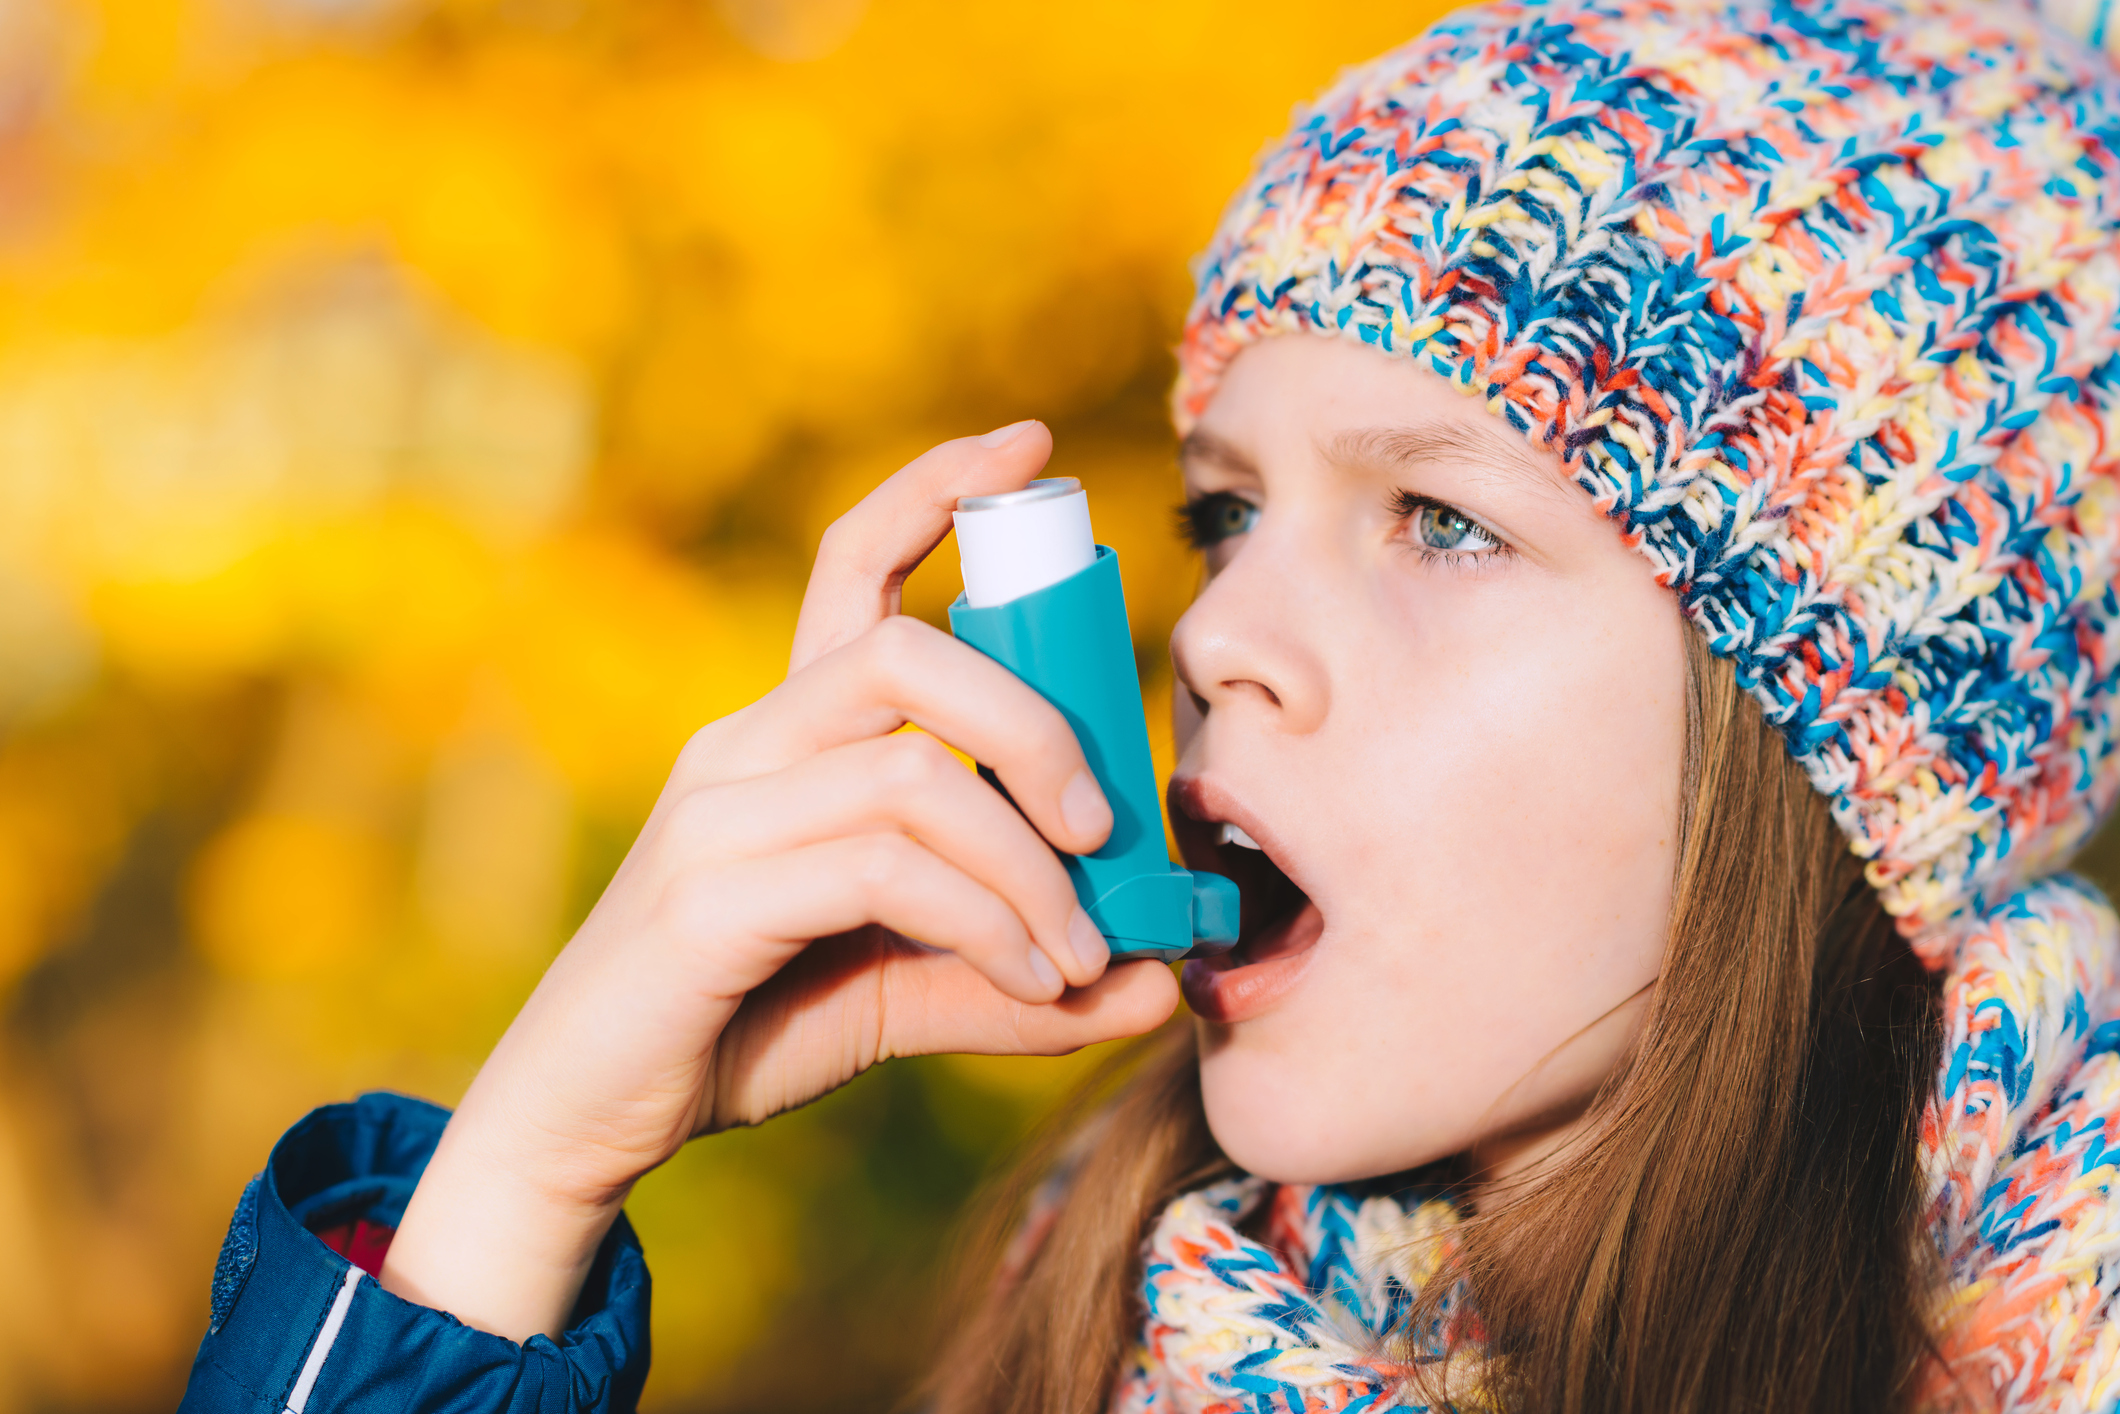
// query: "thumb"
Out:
[865,556]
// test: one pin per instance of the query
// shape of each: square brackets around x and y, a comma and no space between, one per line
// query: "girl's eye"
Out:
[1445,530]
[1208,520]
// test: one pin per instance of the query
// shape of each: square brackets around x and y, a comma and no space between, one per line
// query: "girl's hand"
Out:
[754,949]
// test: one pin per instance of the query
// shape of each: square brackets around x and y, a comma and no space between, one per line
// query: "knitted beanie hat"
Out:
[1821,301]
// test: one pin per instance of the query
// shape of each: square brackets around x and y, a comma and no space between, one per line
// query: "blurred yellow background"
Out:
[415,418]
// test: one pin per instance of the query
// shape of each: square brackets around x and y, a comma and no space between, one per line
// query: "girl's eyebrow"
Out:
[1203,447]
[1395,448]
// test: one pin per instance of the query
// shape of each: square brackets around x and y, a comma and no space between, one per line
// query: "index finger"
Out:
[865,555]
[903,671]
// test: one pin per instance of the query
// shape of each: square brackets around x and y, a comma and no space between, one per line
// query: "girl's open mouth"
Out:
[1280,923]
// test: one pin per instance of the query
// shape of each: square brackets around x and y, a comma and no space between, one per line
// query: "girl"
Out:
[1645,775]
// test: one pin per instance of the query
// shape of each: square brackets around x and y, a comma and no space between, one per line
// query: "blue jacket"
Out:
[298,1329]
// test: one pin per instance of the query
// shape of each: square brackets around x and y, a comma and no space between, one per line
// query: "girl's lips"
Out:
[1281,922]
[1246,981]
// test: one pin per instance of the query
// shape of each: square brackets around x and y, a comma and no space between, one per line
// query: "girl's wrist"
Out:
[487,1241]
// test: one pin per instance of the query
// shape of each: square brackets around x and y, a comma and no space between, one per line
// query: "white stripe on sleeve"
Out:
[314,1365]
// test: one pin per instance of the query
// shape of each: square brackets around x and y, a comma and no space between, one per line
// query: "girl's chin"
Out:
[1250,978]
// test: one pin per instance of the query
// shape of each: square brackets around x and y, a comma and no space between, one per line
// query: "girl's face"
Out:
[1446,701]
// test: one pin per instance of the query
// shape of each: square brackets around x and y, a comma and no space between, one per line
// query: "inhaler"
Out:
[1042,598]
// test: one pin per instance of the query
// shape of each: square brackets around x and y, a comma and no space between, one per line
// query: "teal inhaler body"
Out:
[1069,639]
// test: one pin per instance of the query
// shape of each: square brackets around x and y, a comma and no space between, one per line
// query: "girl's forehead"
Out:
[1381,415]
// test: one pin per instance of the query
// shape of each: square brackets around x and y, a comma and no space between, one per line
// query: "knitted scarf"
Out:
[2020,1144]
[1300,1320]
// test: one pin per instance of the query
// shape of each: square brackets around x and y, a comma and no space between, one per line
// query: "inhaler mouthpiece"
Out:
[1019,542]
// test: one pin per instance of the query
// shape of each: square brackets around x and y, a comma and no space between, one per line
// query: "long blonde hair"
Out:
[1741,1229]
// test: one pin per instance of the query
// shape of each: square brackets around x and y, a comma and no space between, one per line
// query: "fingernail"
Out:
[1083,808]
[1088,943]
[1042,968]
[1002,436]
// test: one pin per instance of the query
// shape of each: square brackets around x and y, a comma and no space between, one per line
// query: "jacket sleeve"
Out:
[297,1328]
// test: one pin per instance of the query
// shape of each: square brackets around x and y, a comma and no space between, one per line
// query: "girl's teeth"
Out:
[1232,835]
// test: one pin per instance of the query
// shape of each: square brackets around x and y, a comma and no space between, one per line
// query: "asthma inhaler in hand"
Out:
[1042,598]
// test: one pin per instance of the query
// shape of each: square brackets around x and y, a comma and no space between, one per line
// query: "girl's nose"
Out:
[1250,643]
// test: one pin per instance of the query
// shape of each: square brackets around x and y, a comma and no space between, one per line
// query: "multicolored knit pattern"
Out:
[1821,302]
[1307,1316]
